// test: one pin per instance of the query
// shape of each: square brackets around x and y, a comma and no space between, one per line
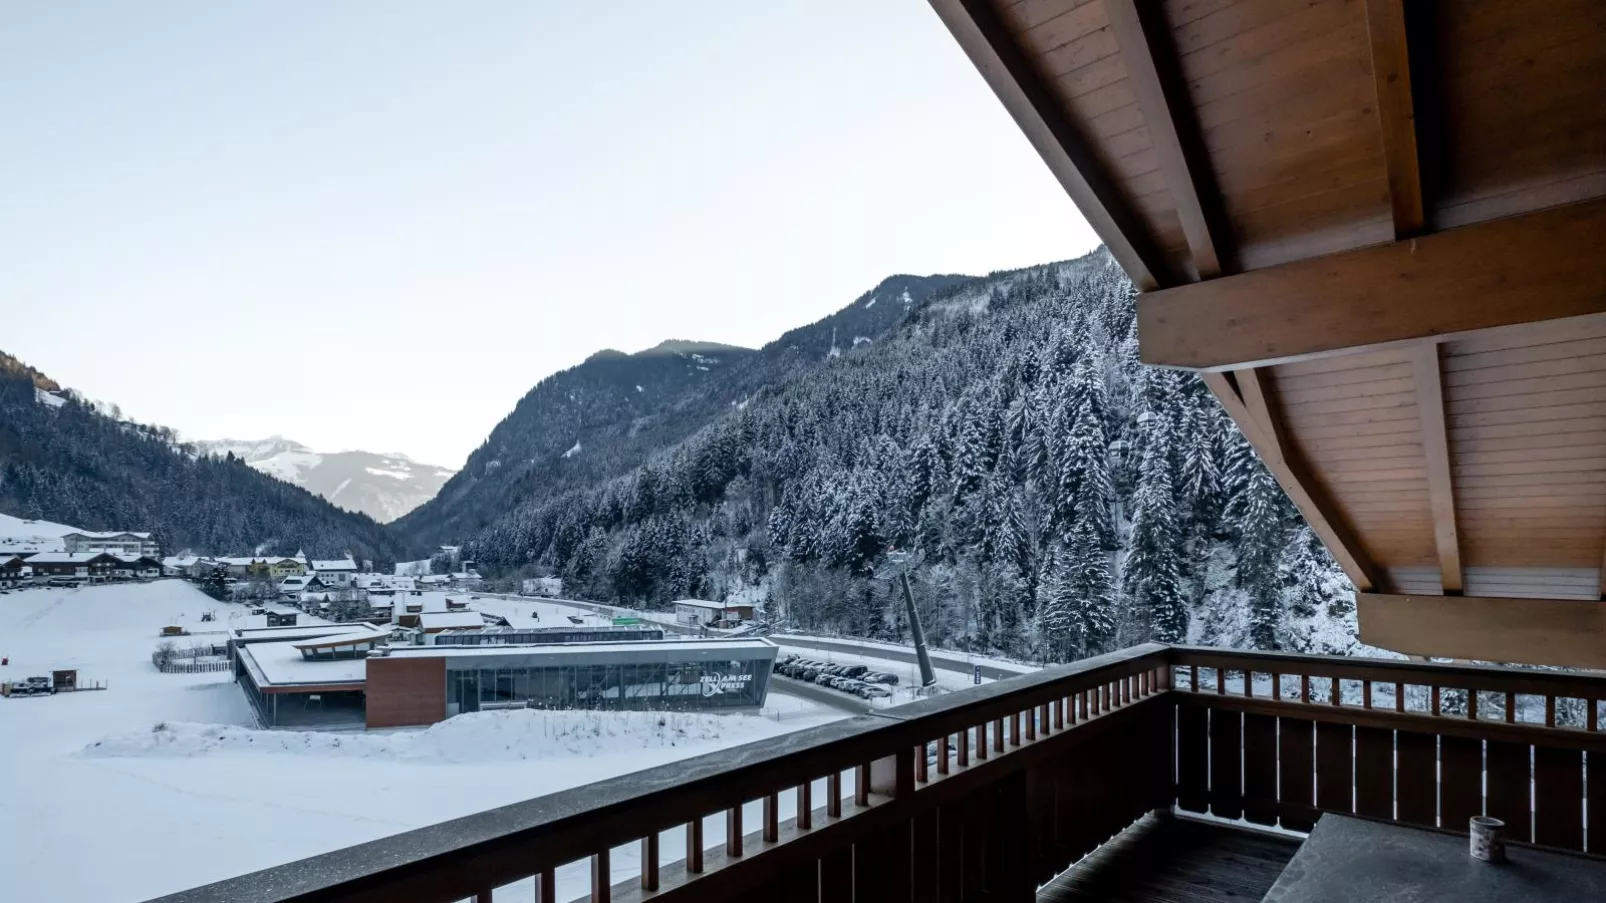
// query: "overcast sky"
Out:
[376,225]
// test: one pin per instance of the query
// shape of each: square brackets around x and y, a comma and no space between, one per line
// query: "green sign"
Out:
[626,622]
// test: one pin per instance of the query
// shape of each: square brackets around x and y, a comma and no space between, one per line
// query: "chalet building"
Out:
[95,567]
[115,542]
[267,567]
[292,587]
[337,573]
[13,569]
[1373,231]
[136,567]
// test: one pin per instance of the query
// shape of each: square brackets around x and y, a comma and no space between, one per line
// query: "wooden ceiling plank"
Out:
[1396,113]
[1436,452]
[1140,44]
[986,39]
[1251,407]
[1562,632]
[1503,273]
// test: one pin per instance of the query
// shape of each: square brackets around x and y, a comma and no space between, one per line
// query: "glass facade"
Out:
[628,685]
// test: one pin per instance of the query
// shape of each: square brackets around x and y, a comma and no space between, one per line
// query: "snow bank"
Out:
[520,734]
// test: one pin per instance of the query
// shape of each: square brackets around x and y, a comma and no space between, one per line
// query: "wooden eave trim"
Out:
[977,28]
[1187,182]
[1560,632]
[1514,271]
[1249,404]
[1396,113]
[1436,455]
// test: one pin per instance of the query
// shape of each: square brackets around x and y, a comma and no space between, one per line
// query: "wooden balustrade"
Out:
[1278,739]
[979,792]
[992,791]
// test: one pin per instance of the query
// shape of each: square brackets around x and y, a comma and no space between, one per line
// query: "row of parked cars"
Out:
[856,679]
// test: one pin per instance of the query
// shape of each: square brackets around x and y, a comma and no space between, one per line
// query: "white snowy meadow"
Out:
[161,782]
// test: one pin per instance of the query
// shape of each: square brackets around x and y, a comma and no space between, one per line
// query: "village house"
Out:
[136,567]
[13,569]
[294,586]
[115,542]
[96,567]
[337,573]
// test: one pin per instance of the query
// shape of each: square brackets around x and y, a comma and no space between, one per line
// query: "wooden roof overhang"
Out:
[1378,230]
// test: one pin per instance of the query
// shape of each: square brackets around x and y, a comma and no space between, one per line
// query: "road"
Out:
[938,660]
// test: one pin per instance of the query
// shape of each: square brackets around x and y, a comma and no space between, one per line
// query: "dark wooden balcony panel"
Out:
[1175,859]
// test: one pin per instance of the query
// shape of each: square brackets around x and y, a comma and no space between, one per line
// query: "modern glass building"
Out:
[423,684]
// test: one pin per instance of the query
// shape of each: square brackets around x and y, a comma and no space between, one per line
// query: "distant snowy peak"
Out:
[382,486]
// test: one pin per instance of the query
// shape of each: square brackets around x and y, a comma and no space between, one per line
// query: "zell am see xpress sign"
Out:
[715,684]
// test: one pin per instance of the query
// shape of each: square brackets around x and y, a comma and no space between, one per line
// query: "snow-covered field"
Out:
[159,783]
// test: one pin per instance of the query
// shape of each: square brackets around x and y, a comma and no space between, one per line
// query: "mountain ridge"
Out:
[384,486]
[633,404]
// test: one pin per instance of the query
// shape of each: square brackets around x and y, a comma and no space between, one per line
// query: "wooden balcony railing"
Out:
[992,791]
[1278,739]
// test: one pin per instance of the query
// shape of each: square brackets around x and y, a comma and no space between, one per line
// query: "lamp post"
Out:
[928,676]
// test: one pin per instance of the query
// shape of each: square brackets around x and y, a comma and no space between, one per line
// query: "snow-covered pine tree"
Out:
[1150,576]
[1261,536]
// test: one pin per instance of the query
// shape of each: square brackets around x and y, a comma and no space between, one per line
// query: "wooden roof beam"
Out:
[1436,451]
[1249,403]
[1144,40]
[1524,269]
[975,24]
[1563,632]
[1396,113]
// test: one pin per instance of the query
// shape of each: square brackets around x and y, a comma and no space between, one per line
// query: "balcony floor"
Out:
[1175,860]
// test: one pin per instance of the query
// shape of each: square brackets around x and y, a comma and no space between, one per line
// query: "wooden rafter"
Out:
[1188,180]
[1396,113]
[1519,270]
[987,41]
[1436,454]
[1249,404]
[1563,632]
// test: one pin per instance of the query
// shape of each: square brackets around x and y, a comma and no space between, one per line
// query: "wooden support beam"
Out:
[1396,113]
[1249,404]
[1560,632]
[1523,269]
[1143,40]
[1041,116]
[1436,451]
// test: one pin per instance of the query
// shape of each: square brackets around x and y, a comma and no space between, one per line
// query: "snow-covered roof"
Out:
[106,534]
[248,560]
[436,620]
[179,561]
[339,639]
[66,557]
[304,631]
[338,564]
[133,559]
[703,603]
[645,647]
[282,664]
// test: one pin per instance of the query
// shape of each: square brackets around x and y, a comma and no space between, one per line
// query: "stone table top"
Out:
[1352,860]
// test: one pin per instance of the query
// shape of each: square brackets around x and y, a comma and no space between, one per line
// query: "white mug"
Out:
[1488,838]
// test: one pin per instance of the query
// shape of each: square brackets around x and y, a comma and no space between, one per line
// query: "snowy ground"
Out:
[181,791]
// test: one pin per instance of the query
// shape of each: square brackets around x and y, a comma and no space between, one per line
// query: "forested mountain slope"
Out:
[66,462]
[1051,497]
[609,414]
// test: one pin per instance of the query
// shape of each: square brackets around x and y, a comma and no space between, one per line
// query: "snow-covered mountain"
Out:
[382,486]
